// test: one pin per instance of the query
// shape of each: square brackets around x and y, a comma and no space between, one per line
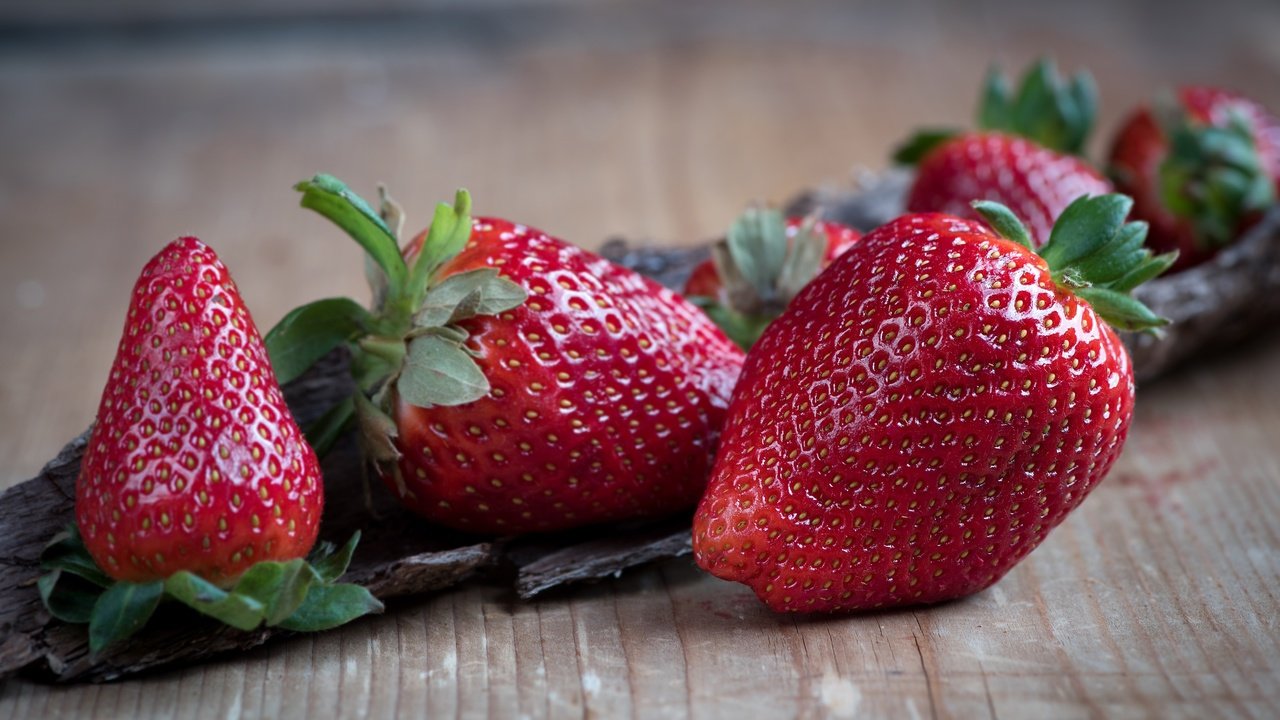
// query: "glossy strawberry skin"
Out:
[607,396]
[920,418]
[704,281]
[1141,146]
[1033,181]
[195,462]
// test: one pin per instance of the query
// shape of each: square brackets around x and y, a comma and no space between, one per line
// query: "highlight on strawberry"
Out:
[1202,166]
[1025,154]
[928,409]
[760,264]
[511,382]
[196,485]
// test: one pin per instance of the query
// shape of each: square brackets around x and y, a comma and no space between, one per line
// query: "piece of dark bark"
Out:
[542,565]
[1234,295]
[399,554]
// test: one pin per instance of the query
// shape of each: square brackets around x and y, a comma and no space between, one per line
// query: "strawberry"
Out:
[195,477]
[759,266]
[1201,169]
[1024,154]
[927,410]
[511,382]
[1034,181]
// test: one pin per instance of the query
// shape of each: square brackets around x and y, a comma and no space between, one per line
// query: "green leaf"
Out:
[66,551]
[743,330]
[325,431]
[376,432]
[331,198]
[121,611]
[450,230]
[68,597]
[280,587]
[330,563]
[802,264]
[467,294]
[1213,175]
[1004,222]
[757,242]
[1084,226]
[1046,109]
[1148,269]
[238,611]
[310,332]
[328,606]
[1121,311]
[439,372]
[994,109]
[921,144]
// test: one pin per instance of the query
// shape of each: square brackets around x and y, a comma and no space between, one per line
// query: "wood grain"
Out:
[653,120]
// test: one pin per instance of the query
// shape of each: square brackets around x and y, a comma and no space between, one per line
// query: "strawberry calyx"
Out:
[409,344]
[301,594]
[761,270]
[1095,254]
[1048,109]
[1213,175]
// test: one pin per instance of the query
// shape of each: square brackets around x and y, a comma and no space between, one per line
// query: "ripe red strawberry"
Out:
[523,384]
[759,266]
[1025,154]
[196,484]
[195,462]
[1200,170]
[1035,182]
[927,410]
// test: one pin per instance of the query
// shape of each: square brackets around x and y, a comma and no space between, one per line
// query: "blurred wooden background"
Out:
[125,124]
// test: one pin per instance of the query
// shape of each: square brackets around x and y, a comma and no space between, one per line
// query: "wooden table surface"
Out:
[122,129]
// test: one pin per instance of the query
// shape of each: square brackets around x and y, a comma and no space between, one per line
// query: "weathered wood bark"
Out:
[399,554]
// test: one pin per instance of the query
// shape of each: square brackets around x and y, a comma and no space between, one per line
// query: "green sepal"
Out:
[310,332]
[329,606]
[330,561]
[467,294]
[67,552]
[1214,176]
[1147,270]
[121,611]
[1122,311]
[331,198]
[921,144]
[1093,253]
[1004,222]
[68,597]
[437,371]
[757,243]
[1048,109]
[280,587]
[743,330]
[239,611]
[1086,225]
[450,230]
[275,593]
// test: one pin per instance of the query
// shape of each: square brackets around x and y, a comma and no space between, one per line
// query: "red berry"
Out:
[1033,181]
[607,392]
[1170,171]
[924,413]
[195,462]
